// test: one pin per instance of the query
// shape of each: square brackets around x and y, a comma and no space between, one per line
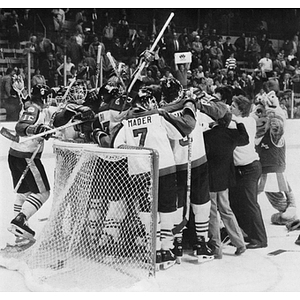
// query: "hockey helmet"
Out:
[109,92]
[40,93]
[171,90]
[145,100]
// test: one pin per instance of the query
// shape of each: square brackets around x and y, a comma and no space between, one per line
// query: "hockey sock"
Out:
[33,203]
[178,216]
[167,221]
[201,212]
[19,201]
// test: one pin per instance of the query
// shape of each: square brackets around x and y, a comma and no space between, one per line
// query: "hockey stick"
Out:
[51,131]
[142,66]
[27,167]
[9,135]
[279,251]
[183,223]
[112,62]
[99,66]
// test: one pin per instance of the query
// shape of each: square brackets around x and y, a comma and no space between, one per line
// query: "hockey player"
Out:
[34,189]
[172,95]
[147,126]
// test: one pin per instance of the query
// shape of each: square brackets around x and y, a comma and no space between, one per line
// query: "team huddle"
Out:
[193,132]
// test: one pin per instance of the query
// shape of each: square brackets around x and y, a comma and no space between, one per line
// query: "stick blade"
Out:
[6,133]
[180,226]
[277,252]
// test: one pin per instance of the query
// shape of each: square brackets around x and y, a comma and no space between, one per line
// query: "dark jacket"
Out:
[219,144]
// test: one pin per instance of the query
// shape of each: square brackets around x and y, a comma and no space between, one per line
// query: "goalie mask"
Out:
[145,100]
[77,92]
[40,93]
[171,89]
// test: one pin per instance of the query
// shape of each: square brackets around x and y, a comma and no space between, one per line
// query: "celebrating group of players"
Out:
[165,117]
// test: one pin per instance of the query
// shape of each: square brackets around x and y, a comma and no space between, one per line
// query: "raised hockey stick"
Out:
[51,131]
[142,66]
[183,223]
[27,167]
[64,97]
[113,64]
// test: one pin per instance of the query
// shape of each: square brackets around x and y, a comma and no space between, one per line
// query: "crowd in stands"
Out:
[243,64]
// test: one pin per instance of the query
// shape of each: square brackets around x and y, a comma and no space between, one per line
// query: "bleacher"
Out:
[10,57]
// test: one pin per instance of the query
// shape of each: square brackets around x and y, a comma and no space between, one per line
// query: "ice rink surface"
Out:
[253,271]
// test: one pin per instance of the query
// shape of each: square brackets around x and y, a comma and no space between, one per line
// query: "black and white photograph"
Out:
[150,149]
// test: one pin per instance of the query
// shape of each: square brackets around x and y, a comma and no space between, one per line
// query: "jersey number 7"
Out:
[142,132]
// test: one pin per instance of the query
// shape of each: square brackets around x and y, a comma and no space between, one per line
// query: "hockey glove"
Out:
[100,137]
[81,112]
[37,129]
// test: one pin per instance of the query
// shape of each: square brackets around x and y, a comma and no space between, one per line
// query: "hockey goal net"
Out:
[100,234]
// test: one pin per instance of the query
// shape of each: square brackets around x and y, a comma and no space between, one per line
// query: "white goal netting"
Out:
[100,234]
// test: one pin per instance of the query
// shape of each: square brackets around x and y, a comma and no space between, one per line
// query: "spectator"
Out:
[253,50]
[68,66]
[38,78]
[48,70]
[13,26]
[59,19]
[32,47]
[287,46]
[279,63]
[93,48]
[215,57]
[213,36]
[148,79]
[172,47]
[243,196]
[122,30]
[181,73]
[117,50]
[186,45]
[230,63]
[81,15]
[228,48]
[26,23]
[197,49]
[108,35]
[79,28]
[9,100]
[240,45]
[95,22]
[74,51]
[263,43]
[140,42]
[182,38]
[266,65]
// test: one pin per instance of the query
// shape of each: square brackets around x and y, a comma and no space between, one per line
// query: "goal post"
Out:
[101,231]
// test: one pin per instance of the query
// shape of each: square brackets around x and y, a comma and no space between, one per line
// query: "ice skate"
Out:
[203,252]
[158,260]
[178,250]
[168,259]
[19,228]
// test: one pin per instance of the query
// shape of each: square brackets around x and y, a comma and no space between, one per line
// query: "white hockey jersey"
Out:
[153,130]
